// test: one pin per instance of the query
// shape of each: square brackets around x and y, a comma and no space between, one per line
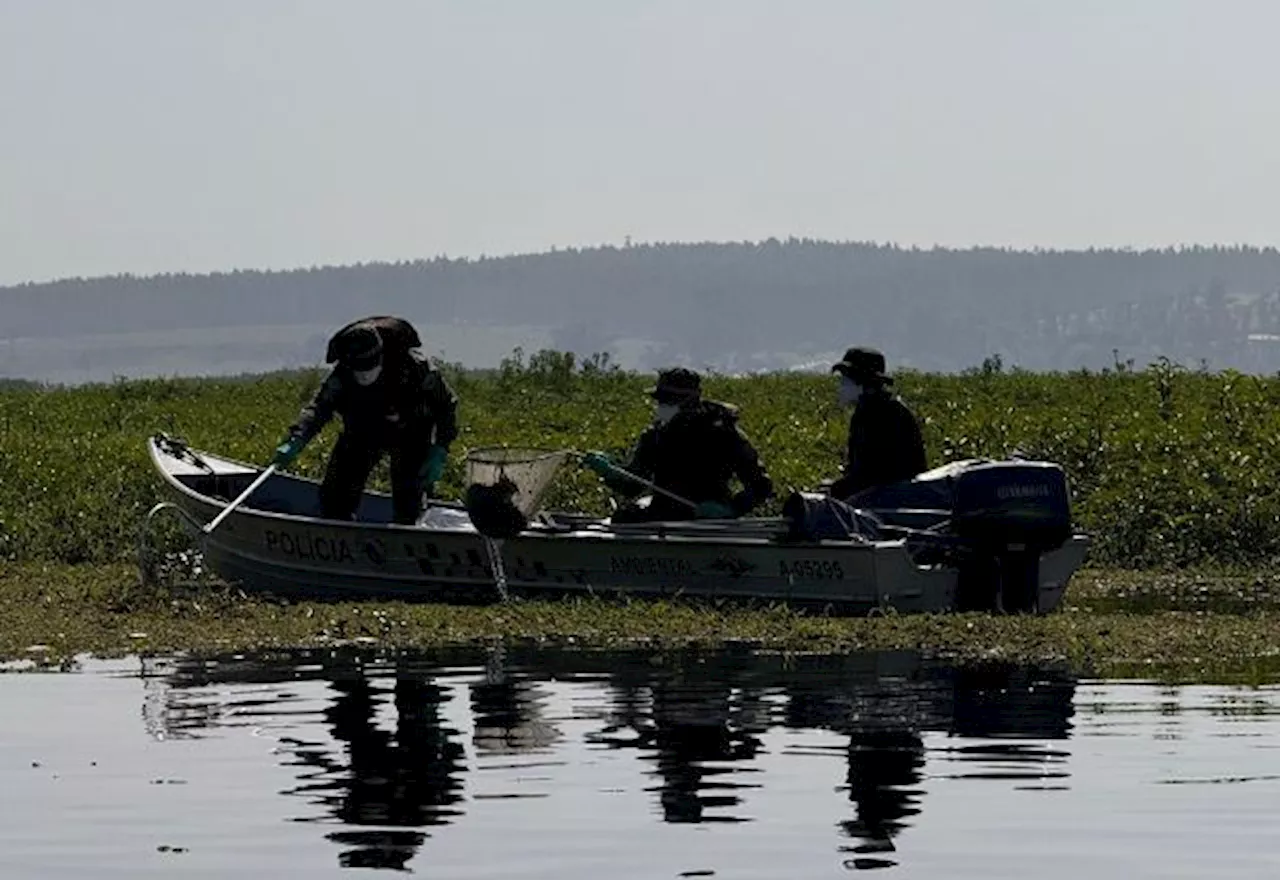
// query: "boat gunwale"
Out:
[537,532]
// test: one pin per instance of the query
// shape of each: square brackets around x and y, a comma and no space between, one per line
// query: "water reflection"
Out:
[385,754]
[409,778]
[508,710]
[698,726]
[385,785]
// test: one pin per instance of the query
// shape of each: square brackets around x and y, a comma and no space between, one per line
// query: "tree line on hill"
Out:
[740,306]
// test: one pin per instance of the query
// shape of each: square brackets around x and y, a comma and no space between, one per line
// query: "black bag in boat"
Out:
[812,516]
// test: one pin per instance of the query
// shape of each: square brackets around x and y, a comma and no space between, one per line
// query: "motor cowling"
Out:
[1012,504]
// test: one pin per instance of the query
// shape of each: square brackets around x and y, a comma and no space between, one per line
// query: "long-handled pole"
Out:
[649,484]
[240,499]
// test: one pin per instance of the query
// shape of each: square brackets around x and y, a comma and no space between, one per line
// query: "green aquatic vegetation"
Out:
[1169,468]
[51,613]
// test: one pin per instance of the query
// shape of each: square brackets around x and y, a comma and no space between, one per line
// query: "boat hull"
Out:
[304,556]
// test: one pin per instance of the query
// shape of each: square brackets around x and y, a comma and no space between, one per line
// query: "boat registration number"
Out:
[812,569]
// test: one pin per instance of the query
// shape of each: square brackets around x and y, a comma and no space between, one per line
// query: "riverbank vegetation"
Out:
[1169,468]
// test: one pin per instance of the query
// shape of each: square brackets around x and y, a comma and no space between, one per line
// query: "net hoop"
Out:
[525,473]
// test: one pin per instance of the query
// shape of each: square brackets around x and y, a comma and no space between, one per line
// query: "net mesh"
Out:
[525,473]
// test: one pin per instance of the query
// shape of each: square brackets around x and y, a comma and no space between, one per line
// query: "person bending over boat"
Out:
[693,449]
[885,444]
[392,401]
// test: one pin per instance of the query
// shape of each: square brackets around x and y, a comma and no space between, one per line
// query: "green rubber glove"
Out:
[598,462]
[433,467]
[287,451]
[713,510]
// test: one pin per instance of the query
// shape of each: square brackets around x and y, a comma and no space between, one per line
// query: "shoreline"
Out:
[1174,626]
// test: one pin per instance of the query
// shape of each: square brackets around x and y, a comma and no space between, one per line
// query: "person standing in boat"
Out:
[693,449]
[885,443]
[392,402]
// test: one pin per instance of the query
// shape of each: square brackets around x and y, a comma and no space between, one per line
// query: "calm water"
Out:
[586,765]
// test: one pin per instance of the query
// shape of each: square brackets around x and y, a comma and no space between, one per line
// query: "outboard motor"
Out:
[1009,513]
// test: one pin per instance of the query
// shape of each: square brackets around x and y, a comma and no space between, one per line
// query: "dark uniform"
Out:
[885,444]
[694,455]
[405,412]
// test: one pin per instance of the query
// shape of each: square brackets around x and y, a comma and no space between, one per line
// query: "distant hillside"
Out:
[772,304]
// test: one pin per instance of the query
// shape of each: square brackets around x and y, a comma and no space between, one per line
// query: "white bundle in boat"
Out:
[447,519]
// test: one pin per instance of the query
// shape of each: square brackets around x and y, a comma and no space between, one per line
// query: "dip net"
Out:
[506,486]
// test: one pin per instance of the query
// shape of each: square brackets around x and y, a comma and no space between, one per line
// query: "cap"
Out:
[358,347]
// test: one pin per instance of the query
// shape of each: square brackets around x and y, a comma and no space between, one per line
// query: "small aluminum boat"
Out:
[277,542]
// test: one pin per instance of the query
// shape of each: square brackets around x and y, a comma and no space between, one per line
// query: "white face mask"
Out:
[665,412]
[367,377]
[849,391]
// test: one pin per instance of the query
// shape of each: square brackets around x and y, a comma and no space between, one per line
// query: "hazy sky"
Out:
[153,135]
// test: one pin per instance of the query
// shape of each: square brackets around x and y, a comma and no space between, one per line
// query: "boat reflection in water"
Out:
[407,778]
[395,763]
[699,722]
[885,715]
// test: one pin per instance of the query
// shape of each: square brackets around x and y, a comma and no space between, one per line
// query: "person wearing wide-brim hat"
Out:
[393,402]
[693,449]
[885,443]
